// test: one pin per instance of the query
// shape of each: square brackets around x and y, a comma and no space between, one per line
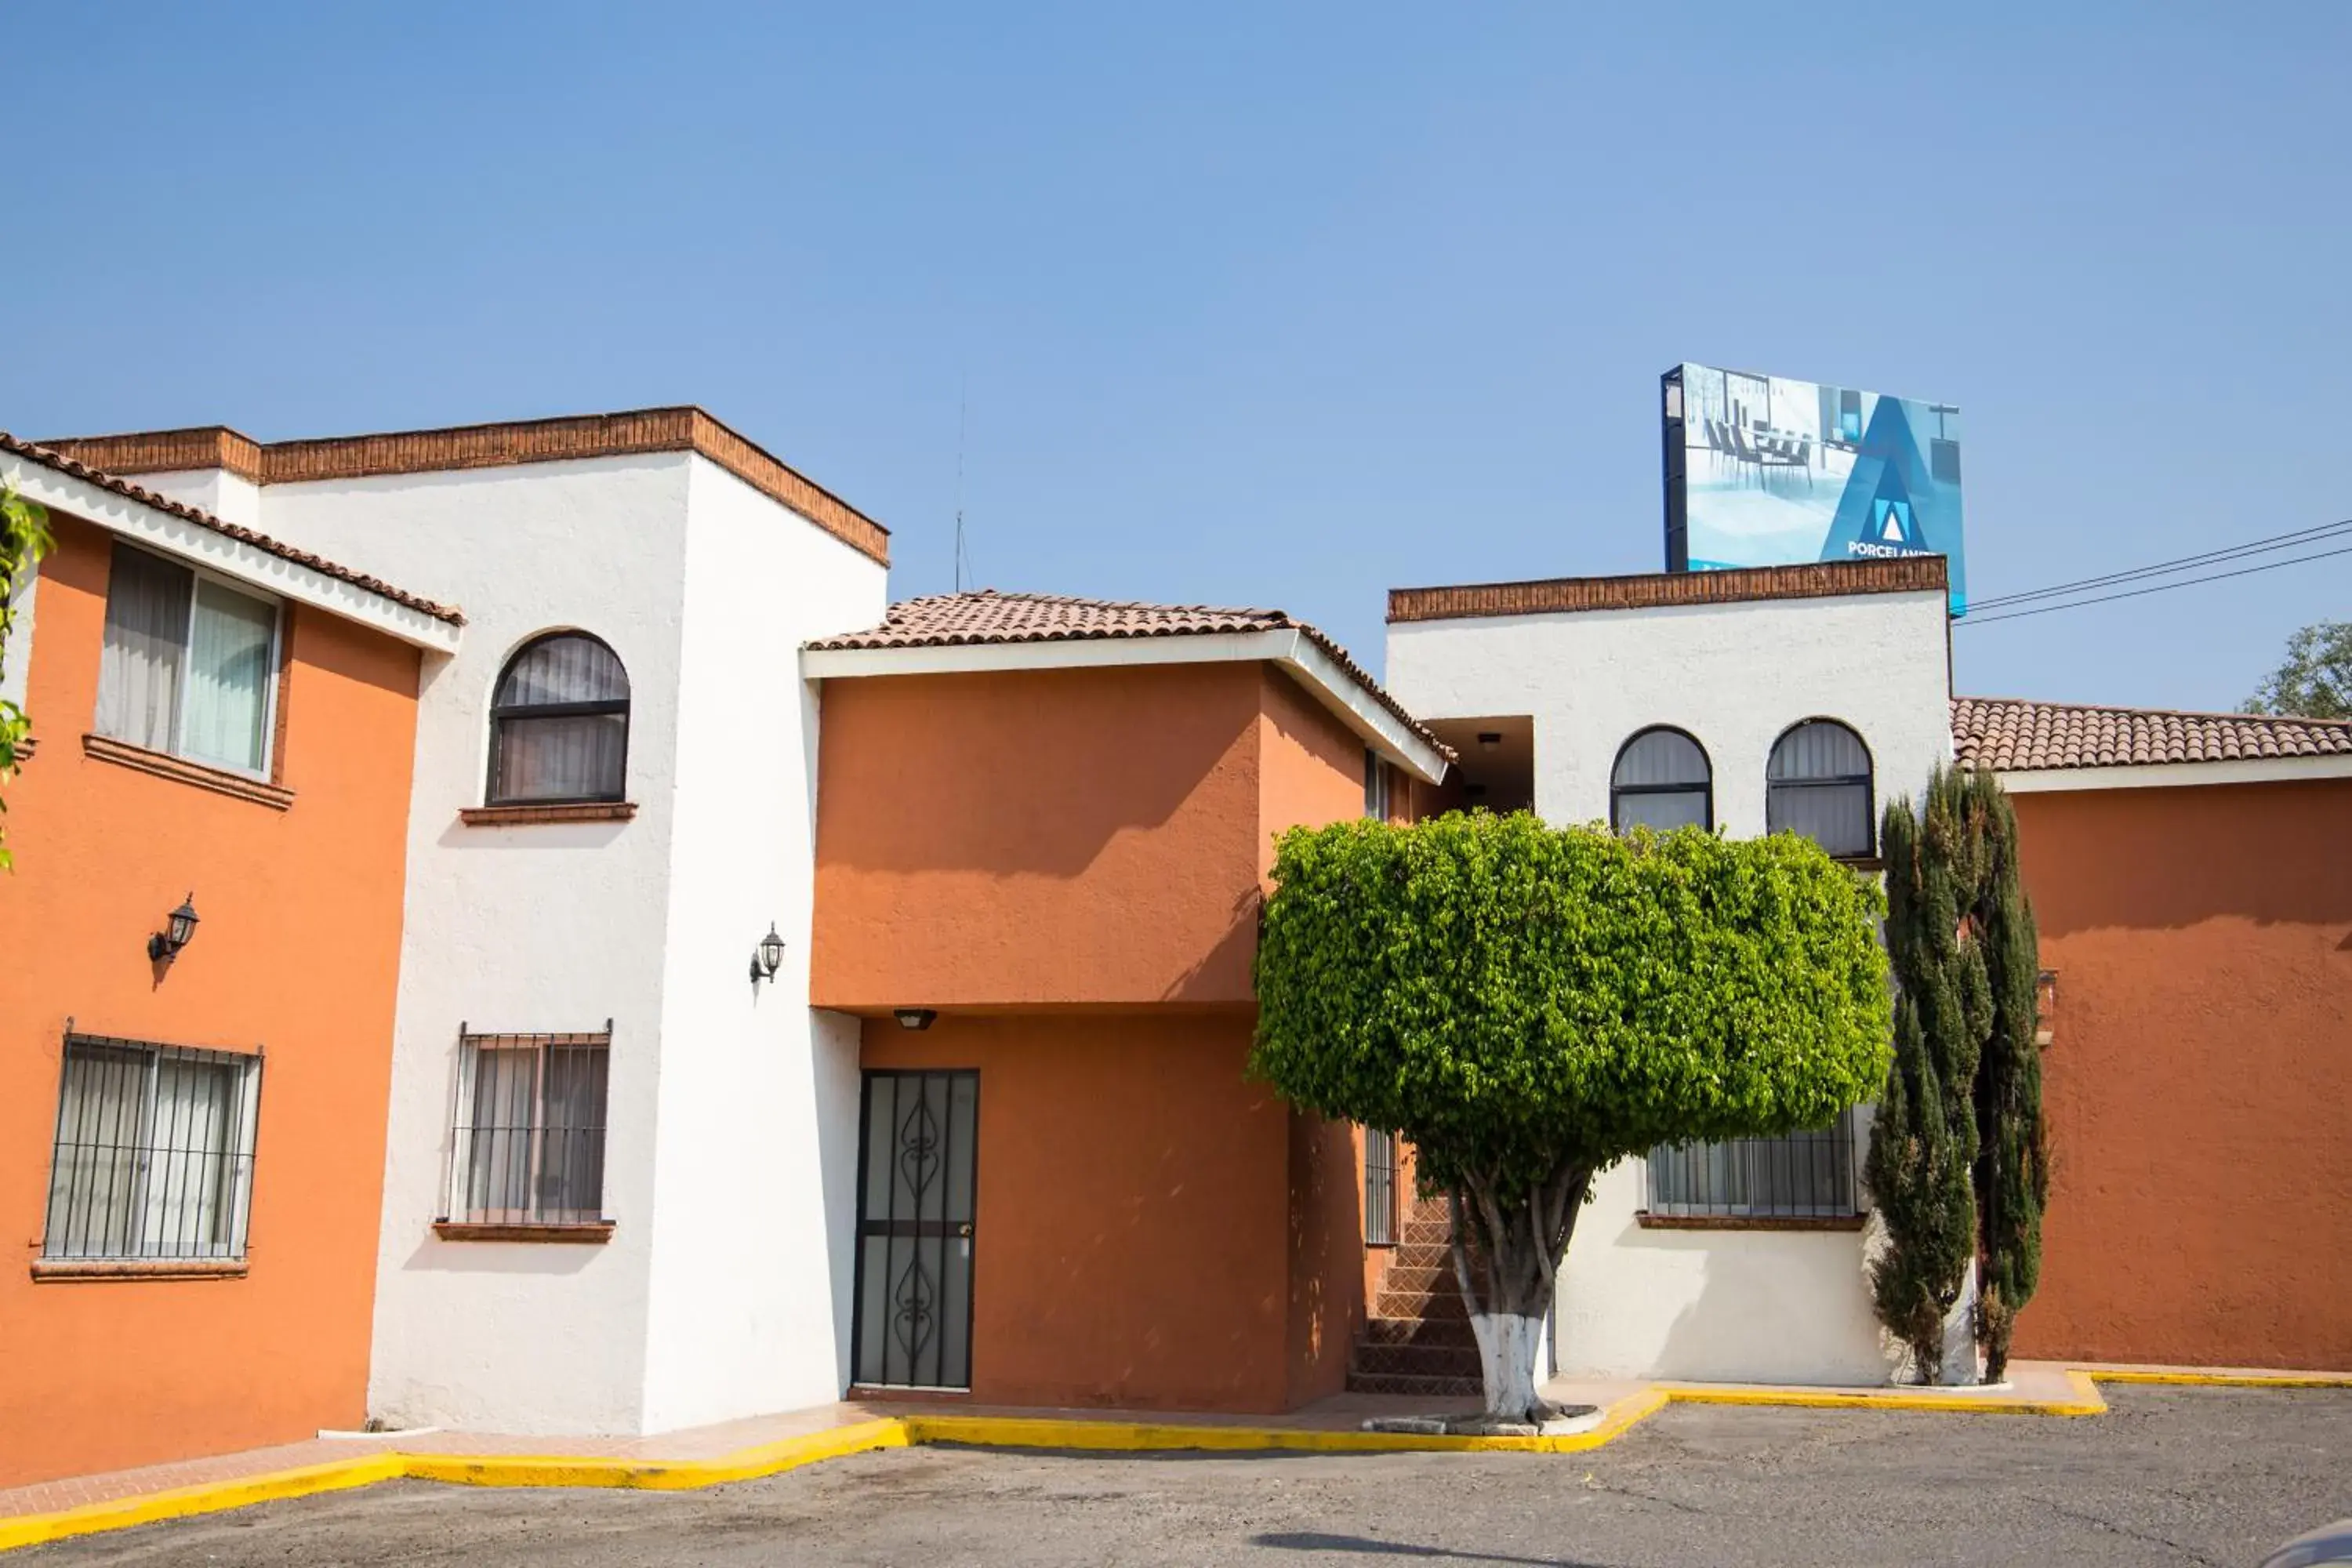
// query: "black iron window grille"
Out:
[529,1145]
[154,1152]
[1804,1175]
[1380,1188]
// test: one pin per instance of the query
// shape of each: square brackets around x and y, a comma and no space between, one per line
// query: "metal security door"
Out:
[917,1138]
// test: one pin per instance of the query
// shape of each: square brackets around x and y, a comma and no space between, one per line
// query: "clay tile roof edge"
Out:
[964,620]
[73,468]
[2015,734]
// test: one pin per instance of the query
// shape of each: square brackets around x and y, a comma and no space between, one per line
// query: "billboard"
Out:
[1765,471]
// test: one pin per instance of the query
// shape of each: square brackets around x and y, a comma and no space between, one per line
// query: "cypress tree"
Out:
[1923,1143]
[2012,1168]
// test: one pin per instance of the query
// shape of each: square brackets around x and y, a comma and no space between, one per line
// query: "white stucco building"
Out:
[1802,697]
[620,1177]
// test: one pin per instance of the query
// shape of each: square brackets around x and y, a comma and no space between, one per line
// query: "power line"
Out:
[2159,588]
[2211,557]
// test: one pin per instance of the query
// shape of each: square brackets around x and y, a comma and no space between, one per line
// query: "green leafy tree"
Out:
[2315,682]
[23,539]
[1528,1004]
[2012,1179]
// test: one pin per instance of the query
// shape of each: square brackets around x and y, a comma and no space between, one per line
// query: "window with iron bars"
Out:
[528,1143]
[1380,1188]
[153,1158]
[1804,1175]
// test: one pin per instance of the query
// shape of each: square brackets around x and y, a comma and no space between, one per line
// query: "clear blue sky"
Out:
[1268,304]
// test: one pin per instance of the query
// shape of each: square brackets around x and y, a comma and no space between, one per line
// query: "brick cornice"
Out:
[684,429]
[167,451]
[1652,590]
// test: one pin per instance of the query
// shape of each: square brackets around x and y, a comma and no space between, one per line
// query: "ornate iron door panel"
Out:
[919,1137]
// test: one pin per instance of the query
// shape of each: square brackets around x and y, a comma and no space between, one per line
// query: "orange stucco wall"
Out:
[1132,1242]
[1037,837]
[2199,1080]
[1069,865]
[297,954]
[1054,837]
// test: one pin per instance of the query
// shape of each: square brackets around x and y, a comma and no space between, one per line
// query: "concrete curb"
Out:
[1070,1434]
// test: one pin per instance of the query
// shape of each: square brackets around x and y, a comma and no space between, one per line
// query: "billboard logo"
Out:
[1894,521]
[1762,470]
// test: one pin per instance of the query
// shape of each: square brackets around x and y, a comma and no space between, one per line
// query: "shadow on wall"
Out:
[2168,858]
[1210,976]
[1756,1306]
[835,1091]
[434,1255]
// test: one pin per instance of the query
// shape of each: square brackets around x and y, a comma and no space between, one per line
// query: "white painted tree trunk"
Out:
[1961,1367]
[1508,1346]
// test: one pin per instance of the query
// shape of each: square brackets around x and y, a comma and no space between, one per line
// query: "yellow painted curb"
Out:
[656,1475]
[122,1513]
[1173,1436]
[1047,1432]
[2223,1379]
[2085,1400]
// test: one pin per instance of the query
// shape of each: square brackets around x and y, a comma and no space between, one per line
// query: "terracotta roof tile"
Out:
[201,518]
[2013,735]
[986,615]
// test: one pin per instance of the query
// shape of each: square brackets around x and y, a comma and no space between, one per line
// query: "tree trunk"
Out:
[1519,1248]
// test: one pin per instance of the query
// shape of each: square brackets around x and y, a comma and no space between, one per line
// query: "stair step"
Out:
[1419,1281]
[1404,1382]
[1436,1307]
[1422,1254]
[1414,1361]
[1419,1331]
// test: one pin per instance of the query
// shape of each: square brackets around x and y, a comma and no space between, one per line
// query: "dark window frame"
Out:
[469,1176]
[1868,779]
[1381,1205]
[1812,1173]
[502,711]
[237,1156]
[1616,789]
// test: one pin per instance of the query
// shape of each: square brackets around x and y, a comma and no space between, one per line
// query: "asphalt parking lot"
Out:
[2189,1476]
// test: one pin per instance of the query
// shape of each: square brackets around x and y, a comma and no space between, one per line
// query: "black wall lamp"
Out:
[914,1017]
[767,957]
[177,932]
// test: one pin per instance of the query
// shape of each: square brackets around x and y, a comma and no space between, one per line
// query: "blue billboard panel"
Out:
[1765,471]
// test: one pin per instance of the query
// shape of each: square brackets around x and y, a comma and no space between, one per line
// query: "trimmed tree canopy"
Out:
[1515,998]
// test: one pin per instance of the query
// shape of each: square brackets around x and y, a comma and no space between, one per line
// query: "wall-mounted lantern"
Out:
[2045,1005]
[767,957]
[917,1018]
[177,932]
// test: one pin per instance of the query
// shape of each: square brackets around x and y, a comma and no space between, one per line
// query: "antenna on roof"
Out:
[963,552]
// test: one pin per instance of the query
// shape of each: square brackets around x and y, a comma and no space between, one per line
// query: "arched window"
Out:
[1818,784]
[560,723]
[1662,780]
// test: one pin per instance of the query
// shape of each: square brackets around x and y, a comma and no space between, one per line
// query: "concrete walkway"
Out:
[768,1444]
